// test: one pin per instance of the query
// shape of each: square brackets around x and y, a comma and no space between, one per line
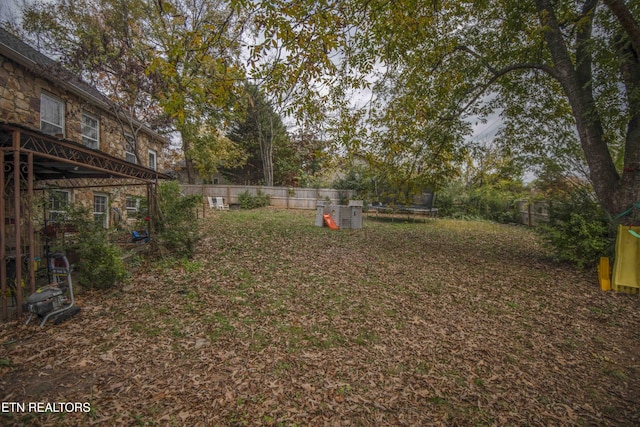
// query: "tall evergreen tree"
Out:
[264,138]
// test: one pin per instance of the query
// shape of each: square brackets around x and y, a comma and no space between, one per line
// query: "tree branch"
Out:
[627,21]
[478,57]
[497,74]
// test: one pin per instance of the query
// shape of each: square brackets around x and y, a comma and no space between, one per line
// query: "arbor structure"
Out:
[561,72]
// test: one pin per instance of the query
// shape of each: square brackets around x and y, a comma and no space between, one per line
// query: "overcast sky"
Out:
[9,9]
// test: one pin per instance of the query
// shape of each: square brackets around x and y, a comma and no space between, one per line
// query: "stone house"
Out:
[38,94]
[62,141]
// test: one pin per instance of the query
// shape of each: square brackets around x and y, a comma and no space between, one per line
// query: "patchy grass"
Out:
[278,322]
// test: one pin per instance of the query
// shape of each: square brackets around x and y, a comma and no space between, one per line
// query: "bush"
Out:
[490,202]
[177,224]
[100,264]
[250,201]
[578,229]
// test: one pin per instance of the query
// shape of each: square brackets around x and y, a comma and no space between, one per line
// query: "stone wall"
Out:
[20,92]
[116,199]
[17,101]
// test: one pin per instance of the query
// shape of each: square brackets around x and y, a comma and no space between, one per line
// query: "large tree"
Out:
[171,62]
[103,48]
[571,68]
[264,138]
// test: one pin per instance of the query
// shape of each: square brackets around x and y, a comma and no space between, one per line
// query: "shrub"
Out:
[177,227]
[250,201]
[495,202]
[100,264]
[578,229]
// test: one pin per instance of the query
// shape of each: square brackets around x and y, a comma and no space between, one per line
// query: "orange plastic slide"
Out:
[329,221]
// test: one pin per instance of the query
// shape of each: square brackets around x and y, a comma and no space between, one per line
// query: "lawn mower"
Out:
[56,299]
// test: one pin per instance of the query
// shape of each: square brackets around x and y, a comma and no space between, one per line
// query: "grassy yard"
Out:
[278,322]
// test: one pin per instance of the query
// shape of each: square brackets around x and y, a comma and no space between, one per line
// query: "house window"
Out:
[132,204]
[130,157]
[90,131]
[51,115]
[130,149]
[152,160]
[58,203]
[100,209]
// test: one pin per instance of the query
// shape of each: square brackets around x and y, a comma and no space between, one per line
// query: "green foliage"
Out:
[377,183]
[171,63]
[211,151]
[490,202]
[358,179]
[429,67]
[343,198]
[578,228]
[101,264]
[177,227]
[264,138]
[251,201]
[312,156]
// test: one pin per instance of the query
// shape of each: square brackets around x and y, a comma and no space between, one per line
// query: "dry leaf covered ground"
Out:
[278,322]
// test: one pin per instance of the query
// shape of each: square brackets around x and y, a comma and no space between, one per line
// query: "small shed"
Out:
[349,216]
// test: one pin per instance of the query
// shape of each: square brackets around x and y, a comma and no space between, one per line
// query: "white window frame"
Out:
[46,100]
[89,140]
[153,165]
[132,209]
[96,213]
[130,157]
[129,149]
[55,213]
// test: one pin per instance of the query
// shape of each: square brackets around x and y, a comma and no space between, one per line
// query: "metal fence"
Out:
[280,197]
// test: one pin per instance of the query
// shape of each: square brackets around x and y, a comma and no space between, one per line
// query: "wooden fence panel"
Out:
[281,197]
[533,213]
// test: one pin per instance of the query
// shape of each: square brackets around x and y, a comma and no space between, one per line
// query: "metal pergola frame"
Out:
[32,161]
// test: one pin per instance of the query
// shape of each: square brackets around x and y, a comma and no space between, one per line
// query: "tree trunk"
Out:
[268,161]
[266,151]
[191,174]
[615,193]
[188,162]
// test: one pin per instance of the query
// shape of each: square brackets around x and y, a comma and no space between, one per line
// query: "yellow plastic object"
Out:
[626,267]
[604,274]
